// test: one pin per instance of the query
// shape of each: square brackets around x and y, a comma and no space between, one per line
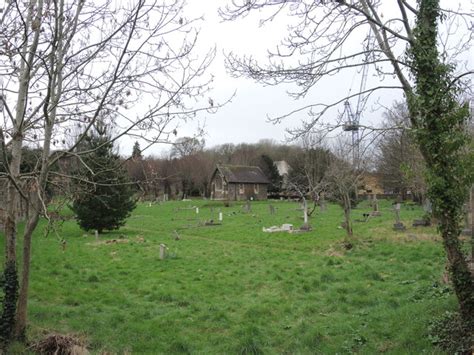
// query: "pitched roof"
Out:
[243,174]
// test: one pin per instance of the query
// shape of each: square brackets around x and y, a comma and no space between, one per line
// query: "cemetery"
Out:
[236,177]
[167,282]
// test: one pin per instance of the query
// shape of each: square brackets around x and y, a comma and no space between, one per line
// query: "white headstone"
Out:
[162,251]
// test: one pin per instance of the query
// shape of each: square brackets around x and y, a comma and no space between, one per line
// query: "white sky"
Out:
[245,118]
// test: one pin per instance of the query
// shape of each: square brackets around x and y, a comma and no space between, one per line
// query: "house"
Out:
[233,182]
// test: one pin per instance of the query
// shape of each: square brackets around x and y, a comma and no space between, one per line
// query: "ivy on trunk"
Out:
[439,126]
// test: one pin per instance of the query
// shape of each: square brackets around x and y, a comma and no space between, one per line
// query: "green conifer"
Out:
[103,197]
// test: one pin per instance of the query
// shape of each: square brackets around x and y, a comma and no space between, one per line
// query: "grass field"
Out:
[232,289]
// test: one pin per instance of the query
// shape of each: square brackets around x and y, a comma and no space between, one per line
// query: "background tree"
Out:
[103,195]
[186,146]
[309,168]
[136,151]
[409,47]
[399,161]
[65,64]
[184,158]
[271,172]
[135,168]
[342,180]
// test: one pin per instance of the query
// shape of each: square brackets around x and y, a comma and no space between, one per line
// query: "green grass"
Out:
[234,289]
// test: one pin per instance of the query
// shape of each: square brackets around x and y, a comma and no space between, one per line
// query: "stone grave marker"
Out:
[375,205]
[426,220]
[398,225]
[247,207]
[271,208]
[162,251]
[427,207]
[322,206]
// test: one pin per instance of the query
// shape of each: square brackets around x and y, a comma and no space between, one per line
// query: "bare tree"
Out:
[342,180]
[412,46]
[307,176]
[187,146]
[65,64]
[399,160]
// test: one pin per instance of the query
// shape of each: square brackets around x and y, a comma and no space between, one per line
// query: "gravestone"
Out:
[322,206]
[398,225]
[271,208]
[426,220]
[176,235]
[375,205]
[162,251]
[247,207]
[427,207]
[322,202]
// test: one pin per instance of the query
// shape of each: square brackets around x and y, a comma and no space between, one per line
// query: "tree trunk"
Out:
[471,221]
[21,312]
[28,51]
[10,271]
[10,290]
[461,276]
[347,217]
[12,201]
[439,122]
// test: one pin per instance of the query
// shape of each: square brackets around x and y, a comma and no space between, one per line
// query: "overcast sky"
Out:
[245,118]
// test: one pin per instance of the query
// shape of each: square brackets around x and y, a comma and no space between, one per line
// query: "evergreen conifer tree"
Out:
[136,152]
[103,197]
[271,172]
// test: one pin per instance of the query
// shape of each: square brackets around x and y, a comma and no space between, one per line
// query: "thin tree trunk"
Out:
[12,203]
[471,221]
[28,53]
[10,271]
[461,276]
[21,314]
[347,216]
[305,211]
[437,117]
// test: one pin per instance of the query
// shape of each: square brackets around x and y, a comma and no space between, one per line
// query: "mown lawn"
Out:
[231,288]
